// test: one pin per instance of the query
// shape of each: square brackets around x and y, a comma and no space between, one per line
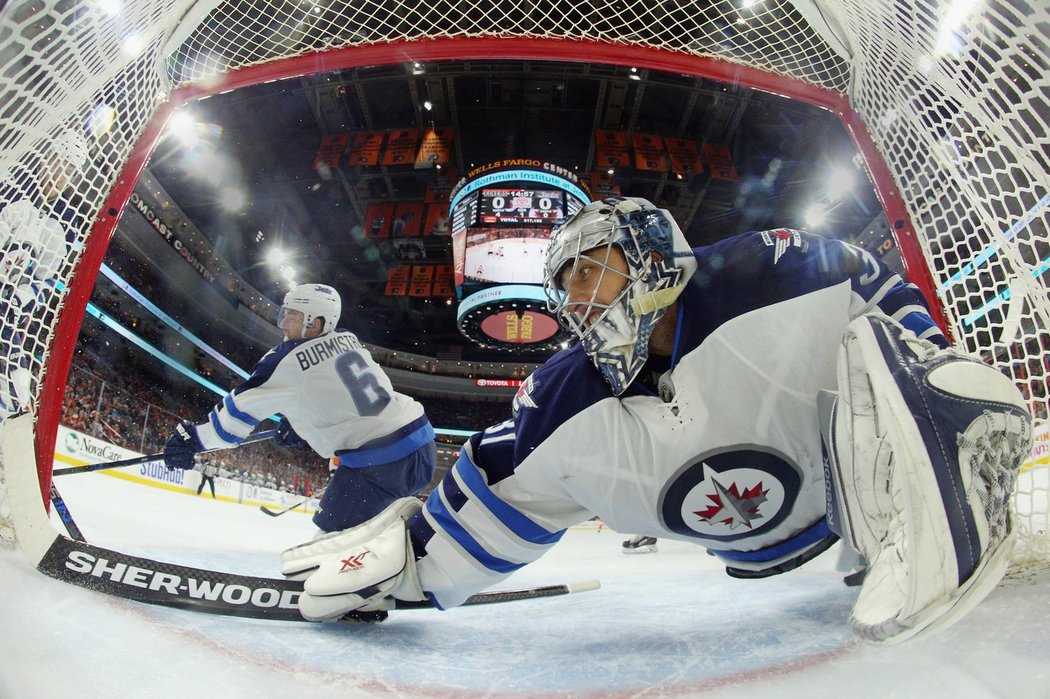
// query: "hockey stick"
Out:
[168,584]
[278,513]
[148,458]
[65,515]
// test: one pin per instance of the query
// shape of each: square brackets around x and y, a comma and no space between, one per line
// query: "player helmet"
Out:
[617,340]
[315,301]
[70,147]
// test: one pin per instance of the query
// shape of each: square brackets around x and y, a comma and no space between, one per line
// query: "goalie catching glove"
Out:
[362,568]
[924,446]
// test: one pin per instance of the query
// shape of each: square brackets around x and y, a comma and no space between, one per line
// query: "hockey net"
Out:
[947,102]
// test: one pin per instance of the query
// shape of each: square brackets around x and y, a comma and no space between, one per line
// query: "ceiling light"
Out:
[839,183]
[276,256]
[428,105]
[815,215]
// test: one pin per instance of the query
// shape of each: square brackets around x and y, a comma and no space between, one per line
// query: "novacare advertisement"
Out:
[79,449]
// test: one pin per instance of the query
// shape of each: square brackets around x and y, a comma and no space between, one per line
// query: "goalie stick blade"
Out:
[167,584]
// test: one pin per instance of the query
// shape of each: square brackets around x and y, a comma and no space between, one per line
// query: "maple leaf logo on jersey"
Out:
[782,240]
[730,494]
[731,507]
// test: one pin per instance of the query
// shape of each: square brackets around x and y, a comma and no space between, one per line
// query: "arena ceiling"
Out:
[259,187]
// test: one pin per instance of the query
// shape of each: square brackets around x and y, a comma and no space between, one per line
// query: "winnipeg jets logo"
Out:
[730,494]
[732,506]
[781,240]
[523,398]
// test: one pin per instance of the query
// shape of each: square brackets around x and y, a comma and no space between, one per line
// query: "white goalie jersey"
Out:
[718,444]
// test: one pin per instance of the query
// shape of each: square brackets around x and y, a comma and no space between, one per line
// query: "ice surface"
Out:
[669,624]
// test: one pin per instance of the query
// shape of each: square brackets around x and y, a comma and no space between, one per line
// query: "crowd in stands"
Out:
[117,408]
[117,393]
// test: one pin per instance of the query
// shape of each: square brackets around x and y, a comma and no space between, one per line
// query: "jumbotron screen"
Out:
[501,217]
[522,207]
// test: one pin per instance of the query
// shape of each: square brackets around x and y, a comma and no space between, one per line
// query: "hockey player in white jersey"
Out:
[37,227]
[336,399]
[692,408]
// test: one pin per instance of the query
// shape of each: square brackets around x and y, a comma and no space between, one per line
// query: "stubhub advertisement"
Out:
[74,448]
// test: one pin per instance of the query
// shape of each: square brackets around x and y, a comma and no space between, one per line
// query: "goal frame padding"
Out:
[72,312]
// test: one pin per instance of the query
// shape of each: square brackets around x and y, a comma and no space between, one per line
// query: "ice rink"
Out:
[669,624]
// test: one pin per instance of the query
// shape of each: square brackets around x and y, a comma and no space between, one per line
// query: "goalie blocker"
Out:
[923,446]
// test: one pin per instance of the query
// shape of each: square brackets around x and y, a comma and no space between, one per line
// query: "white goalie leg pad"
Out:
[300,561]
[924,447]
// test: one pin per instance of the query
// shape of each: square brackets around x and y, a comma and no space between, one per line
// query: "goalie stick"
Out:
[149,458]
[167,584]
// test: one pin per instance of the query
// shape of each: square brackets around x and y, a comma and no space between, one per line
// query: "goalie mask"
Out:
[615,332]
[315,301]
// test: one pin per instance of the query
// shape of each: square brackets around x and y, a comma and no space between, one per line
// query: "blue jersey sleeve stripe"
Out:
[446,521]
[233,410]
[224,434]
[510,516]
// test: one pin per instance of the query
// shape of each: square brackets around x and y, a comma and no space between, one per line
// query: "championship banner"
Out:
[331,150]
[649,153]
[435,148]
[440,188]
[602,186]
[436,220]
[422,280]
[443,277]
[366,148]
[377,220]
[684,155]
[397,281]
[615,140]
[408,219]
[607,158]
[721,162]
[401,147]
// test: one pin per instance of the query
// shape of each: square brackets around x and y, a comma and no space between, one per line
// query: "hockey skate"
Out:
[640,544]
[926,446]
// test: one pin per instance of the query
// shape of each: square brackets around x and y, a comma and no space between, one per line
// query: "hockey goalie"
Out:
[763,397]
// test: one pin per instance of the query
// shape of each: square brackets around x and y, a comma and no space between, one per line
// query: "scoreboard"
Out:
[520,207]
[500,218]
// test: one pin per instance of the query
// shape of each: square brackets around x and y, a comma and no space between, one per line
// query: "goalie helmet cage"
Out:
[947,104]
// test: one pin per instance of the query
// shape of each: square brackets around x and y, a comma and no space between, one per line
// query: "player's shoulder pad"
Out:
[564,385]
[265,367]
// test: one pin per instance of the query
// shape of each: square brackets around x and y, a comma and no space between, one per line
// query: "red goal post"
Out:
[945,101]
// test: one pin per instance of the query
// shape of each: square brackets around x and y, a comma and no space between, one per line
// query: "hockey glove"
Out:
[362,568]
[182,445]
[286,436]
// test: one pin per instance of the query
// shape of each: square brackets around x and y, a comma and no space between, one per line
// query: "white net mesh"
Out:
[955,95]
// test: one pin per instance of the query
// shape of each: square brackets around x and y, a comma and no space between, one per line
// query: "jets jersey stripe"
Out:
[520,524]
[234,411]
[439,517]
[225,435]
